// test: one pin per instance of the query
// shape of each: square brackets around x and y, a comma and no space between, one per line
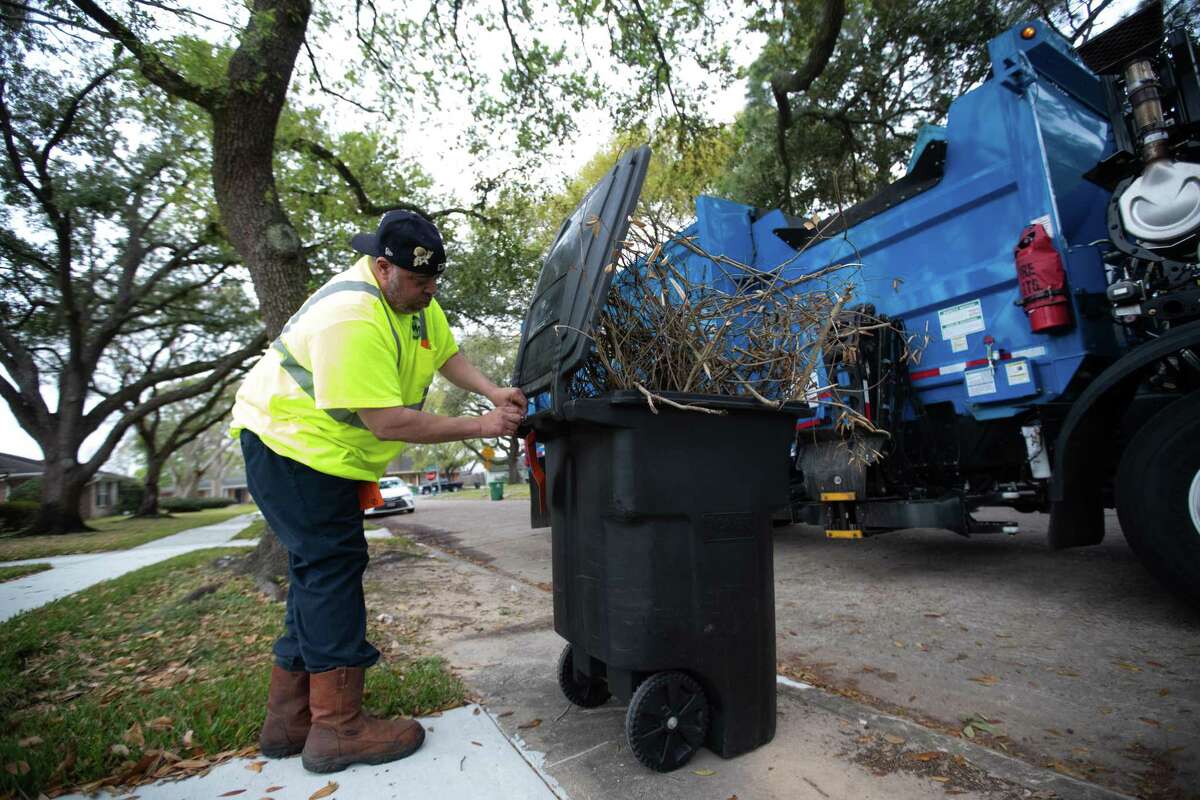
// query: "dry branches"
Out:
[679,319]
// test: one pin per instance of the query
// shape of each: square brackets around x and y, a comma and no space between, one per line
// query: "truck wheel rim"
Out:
[1194,502]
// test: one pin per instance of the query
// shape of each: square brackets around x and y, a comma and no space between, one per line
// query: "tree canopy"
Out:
[114,277]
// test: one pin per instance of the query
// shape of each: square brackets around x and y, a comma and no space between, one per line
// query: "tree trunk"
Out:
[149,504]
[188,487]
[244,128]
[63,485]
[514,453]
[218,475]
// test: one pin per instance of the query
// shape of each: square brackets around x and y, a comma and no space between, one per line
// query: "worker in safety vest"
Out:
[333,400]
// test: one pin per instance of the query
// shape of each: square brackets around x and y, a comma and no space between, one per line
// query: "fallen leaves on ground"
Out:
[976,724]
[931,755]
[324,791]
[134,736]
[29,741]
[704,773]
[986,680]
[533,723]
[256,766]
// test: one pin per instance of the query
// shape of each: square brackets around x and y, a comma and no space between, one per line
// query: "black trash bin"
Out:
[660,522]
[663,577]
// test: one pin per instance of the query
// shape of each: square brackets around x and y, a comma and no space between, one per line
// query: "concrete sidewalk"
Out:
[465,755]
[71,574]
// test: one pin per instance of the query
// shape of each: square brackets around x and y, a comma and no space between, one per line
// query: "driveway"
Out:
[1075,660]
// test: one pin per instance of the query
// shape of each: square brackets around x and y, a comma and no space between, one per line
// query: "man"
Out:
[319,417]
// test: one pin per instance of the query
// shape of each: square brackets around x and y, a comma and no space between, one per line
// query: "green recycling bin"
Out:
[497,488]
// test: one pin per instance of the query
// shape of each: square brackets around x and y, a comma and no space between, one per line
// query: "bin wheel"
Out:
[1158,496]
[580,689]
[667,720]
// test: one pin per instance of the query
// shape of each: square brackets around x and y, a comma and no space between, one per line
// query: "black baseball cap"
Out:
[406,239]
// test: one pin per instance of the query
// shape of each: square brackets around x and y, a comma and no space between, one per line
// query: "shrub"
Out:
[30,490]
[17,515]
[129,497]
[194,503]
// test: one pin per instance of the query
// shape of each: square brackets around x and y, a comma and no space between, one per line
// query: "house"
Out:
[404,468]
[99,498]
[233,486]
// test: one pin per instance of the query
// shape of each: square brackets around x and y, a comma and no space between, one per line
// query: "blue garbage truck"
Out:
[1042,255]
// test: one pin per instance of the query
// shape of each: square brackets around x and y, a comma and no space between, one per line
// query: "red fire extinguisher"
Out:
[1042,281]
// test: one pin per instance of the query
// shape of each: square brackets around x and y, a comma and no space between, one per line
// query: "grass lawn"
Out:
[11,573]
[512,491]
[114,533]
[159,672]
[254,530]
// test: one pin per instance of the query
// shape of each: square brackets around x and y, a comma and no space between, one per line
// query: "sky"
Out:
[435,144]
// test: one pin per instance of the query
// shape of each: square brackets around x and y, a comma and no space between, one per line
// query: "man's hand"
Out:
[500,421]
[508,396]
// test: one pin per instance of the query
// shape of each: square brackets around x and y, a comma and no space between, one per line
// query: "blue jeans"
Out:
[318,519]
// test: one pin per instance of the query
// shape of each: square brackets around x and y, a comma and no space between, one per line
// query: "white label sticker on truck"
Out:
[1044,221]
[961,319]
[958,344]
[980,381]
[1017,372]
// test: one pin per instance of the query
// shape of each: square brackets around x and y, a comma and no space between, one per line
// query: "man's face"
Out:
[406,292]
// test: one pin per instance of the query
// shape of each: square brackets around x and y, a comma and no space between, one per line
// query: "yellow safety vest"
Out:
[345,349]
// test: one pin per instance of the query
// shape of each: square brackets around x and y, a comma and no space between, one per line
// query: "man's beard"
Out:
[394,298]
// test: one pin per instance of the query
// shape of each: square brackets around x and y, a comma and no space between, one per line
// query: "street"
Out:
[1072,663]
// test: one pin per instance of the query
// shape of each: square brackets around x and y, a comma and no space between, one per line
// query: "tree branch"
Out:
[365,204]
[127,394]
[68,118]
[312,59]
[154,68]
[787,83]
[1086,27]
[664,66]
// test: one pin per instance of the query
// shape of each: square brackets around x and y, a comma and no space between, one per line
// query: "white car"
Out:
[397,496]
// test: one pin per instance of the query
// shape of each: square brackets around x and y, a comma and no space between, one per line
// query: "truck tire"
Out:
[1158,496]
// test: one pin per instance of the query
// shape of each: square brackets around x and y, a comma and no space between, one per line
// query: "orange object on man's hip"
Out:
[369,495]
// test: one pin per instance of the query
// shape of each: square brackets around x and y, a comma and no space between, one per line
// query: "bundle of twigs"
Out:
[678,319]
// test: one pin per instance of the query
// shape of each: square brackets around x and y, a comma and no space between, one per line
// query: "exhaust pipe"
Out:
[1142,88]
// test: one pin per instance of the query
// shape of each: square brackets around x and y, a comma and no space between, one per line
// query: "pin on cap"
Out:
[407,240]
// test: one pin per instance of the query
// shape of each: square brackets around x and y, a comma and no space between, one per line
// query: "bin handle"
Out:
[535,468]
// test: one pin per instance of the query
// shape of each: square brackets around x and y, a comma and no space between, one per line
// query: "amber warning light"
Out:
[1028,32]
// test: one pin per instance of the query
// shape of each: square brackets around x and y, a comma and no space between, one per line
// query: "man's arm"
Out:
[465,375]
[420,427]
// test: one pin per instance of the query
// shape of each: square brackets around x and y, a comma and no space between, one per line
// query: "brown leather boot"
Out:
[343,734]
[288,718]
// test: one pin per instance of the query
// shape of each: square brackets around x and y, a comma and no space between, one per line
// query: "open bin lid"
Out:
[574,282]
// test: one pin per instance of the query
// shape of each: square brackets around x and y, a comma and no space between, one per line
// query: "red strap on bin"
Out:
[535,468]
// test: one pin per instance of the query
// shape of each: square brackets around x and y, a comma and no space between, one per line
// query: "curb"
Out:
[996,764]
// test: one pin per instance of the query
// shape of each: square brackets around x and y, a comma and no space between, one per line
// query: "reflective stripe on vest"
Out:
[304,377]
